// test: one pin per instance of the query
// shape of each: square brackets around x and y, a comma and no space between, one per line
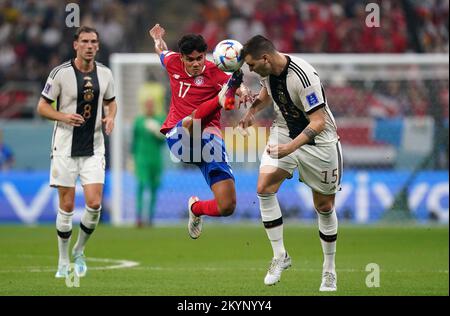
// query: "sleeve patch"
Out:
[312,99]
[47,87]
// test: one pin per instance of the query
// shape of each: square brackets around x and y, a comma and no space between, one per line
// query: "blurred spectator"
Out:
[418,101]
[6,155]
[388,101]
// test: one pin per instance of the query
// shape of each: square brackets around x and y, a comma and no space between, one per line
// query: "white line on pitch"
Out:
[117,264]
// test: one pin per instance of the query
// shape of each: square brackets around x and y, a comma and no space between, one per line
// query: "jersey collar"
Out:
[285,70]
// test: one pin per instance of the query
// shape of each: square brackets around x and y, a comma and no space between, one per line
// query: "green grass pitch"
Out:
[227,260]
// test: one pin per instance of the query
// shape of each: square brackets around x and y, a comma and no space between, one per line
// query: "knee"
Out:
[267,186]
[94,203]
[324,208]
[263,188]
[187,123]
[67,205]
[227,208]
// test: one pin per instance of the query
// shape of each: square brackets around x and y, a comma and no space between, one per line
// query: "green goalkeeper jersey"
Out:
[147,144]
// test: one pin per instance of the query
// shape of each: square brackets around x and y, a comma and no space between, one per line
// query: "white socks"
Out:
[273,222]
[89,221]
[328,226]
[64,231]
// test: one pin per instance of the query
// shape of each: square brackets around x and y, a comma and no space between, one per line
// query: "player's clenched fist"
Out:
[157,32]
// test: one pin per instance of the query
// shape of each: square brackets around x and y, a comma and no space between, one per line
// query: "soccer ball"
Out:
[227,55]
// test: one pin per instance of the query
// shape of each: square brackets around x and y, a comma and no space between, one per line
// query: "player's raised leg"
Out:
[88,223]
[223,204]
[228,92]
[225,99]
[328,226]
[269,181]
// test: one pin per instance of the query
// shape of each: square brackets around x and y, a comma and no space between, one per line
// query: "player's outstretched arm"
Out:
[156,33]
[46,110]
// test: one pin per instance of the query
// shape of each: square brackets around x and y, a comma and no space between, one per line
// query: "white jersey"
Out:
[82,93]
[297,91]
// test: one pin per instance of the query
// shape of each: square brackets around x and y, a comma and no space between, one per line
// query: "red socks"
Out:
[205,208]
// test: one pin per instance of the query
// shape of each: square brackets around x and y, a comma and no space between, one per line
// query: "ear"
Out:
[266,58]
[75,45]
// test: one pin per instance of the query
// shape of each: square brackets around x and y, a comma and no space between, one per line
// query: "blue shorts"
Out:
[209,153]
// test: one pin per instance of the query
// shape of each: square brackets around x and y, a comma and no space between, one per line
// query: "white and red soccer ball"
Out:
[227,55]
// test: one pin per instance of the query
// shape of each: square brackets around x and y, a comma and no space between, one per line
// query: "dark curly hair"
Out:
[190,42]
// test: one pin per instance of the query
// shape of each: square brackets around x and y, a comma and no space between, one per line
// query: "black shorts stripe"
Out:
[58,68]
[302,79]
[274,223]
[340,161]
[86,230]
[327,238]
[294,65]
[64,235]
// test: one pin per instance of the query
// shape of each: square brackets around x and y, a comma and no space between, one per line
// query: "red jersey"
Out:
[189,92]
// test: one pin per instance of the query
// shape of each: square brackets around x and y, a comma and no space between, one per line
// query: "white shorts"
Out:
[320,167]
[64,171]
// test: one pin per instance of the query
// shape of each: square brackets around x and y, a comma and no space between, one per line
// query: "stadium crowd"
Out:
[34,39]
[326,26]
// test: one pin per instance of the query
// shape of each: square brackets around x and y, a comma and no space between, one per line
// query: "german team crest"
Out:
[88,95]
[199,80]
[281,96]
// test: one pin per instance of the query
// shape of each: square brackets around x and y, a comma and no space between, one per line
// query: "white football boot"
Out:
[277,266]
[195,222]
[80,266]
[329,280]
[63,271]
